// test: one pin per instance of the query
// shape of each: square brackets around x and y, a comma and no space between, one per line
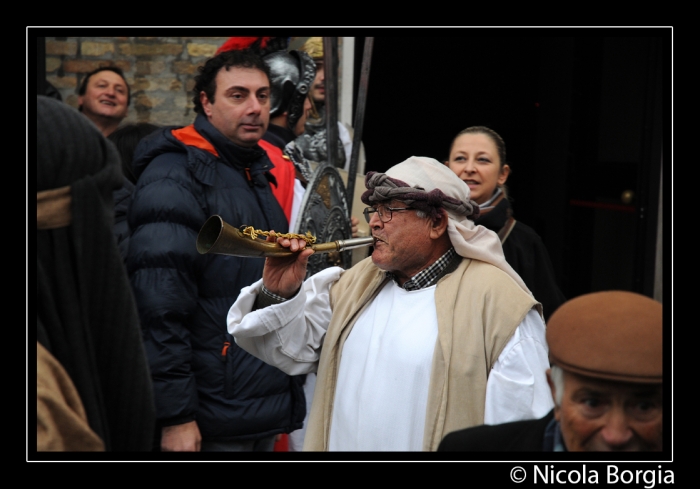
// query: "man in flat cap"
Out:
[433,333]
[606,382]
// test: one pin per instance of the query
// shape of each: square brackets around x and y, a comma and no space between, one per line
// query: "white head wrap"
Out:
[468,239]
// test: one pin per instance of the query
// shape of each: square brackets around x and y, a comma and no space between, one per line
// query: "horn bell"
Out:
[218,237]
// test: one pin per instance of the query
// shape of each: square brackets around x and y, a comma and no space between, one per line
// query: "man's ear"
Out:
[439,225]
[553,389]
[206,105]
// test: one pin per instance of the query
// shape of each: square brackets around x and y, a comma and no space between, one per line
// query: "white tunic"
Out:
[384,373]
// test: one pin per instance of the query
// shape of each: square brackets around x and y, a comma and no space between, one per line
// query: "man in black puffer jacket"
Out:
[210,394]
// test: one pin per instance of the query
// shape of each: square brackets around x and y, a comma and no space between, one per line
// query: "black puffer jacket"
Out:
[122,199]
[199,373]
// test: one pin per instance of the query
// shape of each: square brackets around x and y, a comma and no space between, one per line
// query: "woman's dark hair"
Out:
[125,139]
[205,81]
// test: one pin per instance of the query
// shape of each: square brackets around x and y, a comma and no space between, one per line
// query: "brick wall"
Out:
[160,71]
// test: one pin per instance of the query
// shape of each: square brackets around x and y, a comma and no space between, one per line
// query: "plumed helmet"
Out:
[314,47]
[238,43]
[291,76]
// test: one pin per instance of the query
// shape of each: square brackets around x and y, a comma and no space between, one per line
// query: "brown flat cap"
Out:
[612,335]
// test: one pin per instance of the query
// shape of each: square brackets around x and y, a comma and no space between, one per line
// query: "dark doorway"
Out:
[581,115]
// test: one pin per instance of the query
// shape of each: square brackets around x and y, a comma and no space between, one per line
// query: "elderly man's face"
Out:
[403,245]
[598,415]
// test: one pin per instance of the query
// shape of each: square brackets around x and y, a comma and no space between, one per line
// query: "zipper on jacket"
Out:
[224,350]
[249,177]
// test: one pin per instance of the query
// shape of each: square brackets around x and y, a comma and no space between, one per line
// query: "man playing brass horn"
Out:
[432,333]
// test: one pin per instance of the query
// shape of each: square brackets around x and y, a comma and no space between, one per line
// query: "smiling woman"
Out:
[478,157]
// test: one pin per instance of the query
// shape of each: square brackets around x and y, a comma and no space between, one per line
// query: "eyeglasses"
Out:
[384,212]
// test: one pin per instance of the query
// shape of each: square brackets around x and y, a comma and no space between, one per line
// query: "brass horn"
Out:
[217,236]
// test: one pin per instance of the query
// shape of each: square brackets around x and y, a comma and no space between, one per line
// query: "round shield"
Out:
[324,213]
